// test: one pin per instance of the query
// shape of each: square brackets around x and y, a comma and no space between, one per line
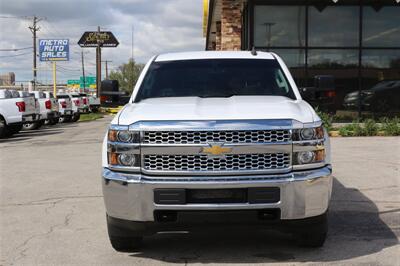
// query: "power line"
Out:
[15,49]
[14,55]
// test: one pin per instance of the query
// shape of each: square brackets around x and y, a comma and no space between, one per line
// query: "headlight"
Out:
[123,148]
[126,159]
[307,133]
[305,157]
[125,136]
[309,157]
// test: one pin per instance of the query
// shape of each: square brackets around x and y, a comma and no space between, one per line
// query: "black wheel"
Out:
[2,127]
[53,121]
[15,128]
[122,239]
[31,126]
[313,235]
[126,244]
[75,117]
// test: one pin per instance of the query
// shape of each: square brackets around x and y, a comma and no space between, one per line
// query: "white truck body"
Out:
[215,132]
[65,105]
[9,110]
[48,107]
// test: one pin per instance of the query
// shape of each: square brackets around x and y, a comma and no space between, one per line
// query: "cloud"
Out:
[159,26]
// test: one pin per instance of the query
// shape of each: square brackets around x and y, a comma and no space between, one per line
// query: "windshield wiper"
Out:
[216,95]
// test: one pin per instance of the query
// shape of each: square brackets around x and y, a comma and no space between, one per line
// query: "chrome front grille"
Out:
[202,163]
[204,137]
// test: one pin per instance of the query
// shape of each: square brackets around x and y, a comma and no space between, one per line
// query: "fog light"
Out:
[307,133]
[124,136]
[305,157]
[126,159]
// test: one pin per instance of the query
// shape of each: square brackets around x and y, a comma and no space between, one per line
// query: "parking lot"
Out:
[52,209]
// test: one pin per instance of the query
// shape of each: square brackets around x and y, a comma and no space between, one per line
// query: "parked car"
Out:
[65,108]
[216,138]
[85,103]
[47,111]
[37,116]
[94,104]
[54,107]
[77,106]
[14,111]
[381,98]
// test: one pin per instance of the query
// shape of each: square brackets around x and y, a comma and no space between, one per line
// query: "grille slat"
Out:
[203,137]
[231,162]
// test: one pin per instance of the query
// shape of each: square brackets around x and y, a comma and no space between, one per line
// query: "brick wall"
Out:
[231,25]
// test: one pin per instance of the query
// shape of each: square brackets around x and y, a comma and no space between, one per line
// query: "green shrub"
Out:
[326,119]
[391,127]
[371,128]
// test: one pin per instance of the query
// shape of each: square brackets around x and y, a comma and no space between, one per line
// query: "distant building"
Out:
[7,79]
[355,41]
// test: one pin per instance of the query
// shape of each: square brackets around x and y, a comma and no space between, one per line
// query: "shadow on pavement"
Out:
[355,230]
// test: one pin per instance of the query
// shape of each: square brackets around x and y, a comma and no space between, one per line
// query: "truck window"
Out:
[214,78]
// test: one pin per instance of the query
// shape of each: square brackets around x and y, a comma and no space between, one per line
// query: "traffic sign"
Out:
[54,49]
[98,38]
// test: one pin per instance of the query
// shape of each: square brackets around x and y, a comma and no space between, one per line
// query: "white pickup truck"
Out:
[54,108]
[48,111]
[65,107]
[216,139]
[14,111]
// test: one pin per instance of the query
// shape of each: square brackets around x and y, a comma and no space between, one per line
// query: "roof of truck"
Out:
[213,55]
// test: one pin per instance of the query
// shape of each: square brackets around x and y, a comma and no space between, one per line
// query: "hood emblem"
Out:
[216,150]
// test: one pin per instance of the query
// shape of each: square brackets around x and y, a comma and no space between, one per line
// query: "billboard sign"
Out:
[94,38]
[54,49]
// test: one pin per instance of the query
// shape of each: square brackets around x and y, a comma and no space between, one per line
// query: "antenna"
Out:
[253,51]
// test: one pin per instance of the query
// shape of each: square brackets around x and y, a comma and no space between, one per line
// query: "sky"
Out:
[160,26]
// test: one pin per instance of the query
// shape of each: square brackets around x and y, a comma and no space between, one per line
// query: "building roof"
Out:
[213,55]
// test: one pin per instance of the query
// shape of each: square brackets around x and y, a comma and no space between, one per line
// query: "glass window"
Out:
[214,78]
[333,26]
[381,27]
[335,58]
[341,64]
[380,82]
[293,57]
[279,26]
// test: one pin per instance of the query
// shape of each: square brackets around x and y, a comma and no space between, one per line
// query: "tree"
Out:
[127,75]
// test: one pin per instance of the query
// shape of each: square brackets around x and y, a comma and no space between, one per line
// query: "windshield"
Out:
[214,78]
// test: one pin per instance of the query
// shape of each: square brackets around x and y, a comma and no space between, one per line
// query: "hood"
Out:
[233,108]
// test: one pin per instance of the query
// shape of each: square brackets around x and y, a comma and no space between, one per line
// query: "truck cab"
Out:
[211,139]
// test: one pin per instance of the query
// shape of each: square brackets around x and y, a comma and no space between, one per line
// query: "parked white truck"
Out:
[65,107]
[14,111]
[216,138]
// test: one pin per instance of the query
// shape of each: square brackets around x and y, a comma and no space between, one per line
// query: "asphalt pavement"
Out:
[52,212]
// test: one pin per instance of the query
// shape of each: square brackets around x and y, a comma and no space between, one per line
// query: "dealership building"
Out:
[357,43]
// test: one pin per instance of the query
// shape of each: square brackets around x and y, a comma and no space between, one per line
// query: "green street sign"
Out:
[73,81]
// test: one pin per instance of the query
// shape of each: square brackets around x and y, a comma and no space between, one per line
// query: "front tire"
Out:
[2,127]
[75,117]
[123,239]
[313,235]
[126,244]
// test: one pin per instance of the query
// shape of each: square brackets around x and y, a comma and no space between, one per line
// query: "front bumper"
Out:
[303,194]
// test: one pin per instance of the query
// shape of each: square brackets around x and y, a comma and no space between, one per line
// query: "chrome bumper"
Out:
[303,194]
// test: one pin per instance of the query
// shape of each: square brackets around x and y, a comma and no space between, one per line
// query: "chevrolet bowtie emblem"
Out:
[216,150]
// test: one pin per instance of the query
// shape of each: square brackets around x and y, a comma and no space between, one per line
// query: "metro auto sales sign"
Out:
[54,49]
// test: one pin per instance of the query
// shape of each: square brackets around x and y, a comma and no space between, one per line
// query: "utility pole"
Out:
[98,64]
[83,72]
[34,28]
[106,61]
